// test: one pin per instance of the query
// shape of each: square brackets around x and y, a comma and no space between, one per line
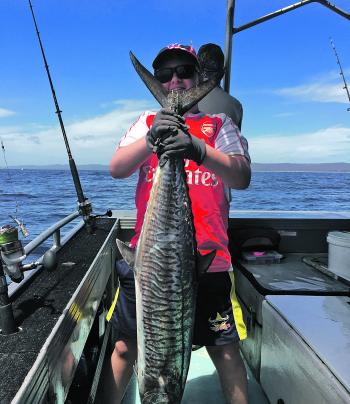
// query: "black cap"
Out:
[210,56]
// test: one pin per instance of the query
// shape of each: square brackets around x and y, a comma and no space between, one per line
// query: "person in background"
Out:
[216,159]
[211,60]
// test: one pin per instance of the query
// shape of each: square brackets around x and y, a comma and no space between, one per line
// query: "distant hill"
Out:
[61,167]
[317,167]
[263,167]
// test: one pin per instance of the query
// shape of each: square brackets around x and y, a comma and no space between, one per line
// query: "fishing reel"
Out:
[13,254]
[85,209]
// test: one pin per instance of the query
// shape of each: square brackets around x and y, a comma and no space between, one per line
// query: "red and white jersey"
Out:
[210,197]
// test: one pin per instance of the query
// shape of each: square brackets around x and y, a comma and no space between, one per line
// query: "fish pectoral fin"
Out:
[127,252]
[204,262]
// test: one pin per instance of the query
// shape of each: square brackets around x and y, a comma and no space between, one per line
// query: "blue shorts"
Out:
[218,319]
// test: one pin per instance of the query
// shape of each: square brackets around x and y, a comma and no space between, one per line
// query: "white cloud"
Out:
[327,88]
[284,114]
[6,130]
[94,140]
[5,112]
[91,141]
[327,145]
[318,92]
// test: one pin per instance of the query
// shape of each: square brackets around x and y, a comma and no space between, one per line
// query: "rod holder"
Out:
[7,320]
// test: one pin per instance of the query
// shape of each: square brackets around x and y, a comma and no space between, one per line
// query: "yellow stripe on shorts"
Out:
[237,311]
[111,309]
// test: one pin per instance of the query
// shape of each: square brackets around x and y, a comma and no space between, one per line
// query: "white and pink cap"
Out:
[175,47]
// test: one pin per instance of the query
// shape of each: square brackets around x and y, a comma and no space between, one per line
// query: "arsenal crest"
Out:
[208,128]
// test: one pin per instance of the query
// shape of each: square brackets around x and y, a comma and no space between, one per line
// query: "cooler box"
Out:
[291,276]
[305,356]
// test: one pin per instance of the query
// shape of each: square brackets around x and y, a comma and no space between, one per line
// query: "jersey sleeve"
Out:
[136,131]
[229,139]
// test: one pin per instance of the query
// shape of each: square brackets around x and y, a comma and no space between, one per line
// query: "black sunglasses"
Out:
[182,72]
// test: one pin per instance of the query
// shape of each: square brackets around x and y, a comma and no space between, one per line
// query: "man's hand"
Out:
[165,123]
[182,144]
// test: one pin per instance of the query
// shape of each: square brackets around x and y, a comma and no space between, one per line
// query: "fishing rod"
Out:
[15,218]
[341,71]
[85,208]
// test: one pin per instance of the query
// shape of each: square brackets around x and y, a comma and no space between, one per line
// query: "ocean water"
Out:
[42,197]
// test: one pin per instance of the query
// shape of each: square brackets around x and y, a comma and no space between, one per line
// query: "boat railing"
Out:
[57,243]
[54,230]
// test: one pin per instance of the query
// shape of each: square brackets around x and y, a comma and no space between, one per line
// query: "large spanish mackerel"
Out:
[166,266]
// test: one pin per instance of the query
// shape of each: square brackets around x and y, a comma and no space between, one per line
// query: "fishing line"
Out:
[14,217]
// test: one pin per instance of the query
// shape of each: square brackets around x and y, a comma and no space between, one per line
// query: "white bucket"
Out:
[339,253]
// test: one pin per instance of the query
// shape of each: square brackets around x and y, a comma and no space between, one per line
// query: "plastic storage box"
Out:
[339,253]
[262,257]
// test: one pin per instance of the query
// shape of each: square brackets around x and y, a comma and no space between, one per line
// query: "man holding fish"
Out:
[215,159]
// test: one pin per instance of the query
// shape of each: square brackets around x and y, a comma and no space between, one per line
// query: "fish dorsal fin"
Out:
[127,253]
[204,262]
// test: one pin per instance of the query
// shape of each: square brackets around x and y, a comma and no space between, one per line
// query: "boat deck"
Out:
[38,307]
[275,299]
[203,385]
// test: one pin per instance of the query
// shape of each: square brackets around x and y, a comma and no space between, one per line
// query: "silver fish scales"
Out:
[165,282]
[166,266]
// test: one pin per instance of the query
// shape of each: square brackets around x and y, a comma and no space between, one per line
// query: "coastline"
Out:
[327,168]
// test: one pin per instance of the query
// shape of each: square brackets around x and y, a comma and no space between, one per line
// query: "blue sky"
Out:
[283,71]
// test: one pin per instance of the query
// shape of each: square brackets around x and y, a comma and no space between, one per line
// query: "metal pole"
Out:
[231,30]
[273,15]
[7,320]
[334,8]
[32,245]
[288,9]
[230,11]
